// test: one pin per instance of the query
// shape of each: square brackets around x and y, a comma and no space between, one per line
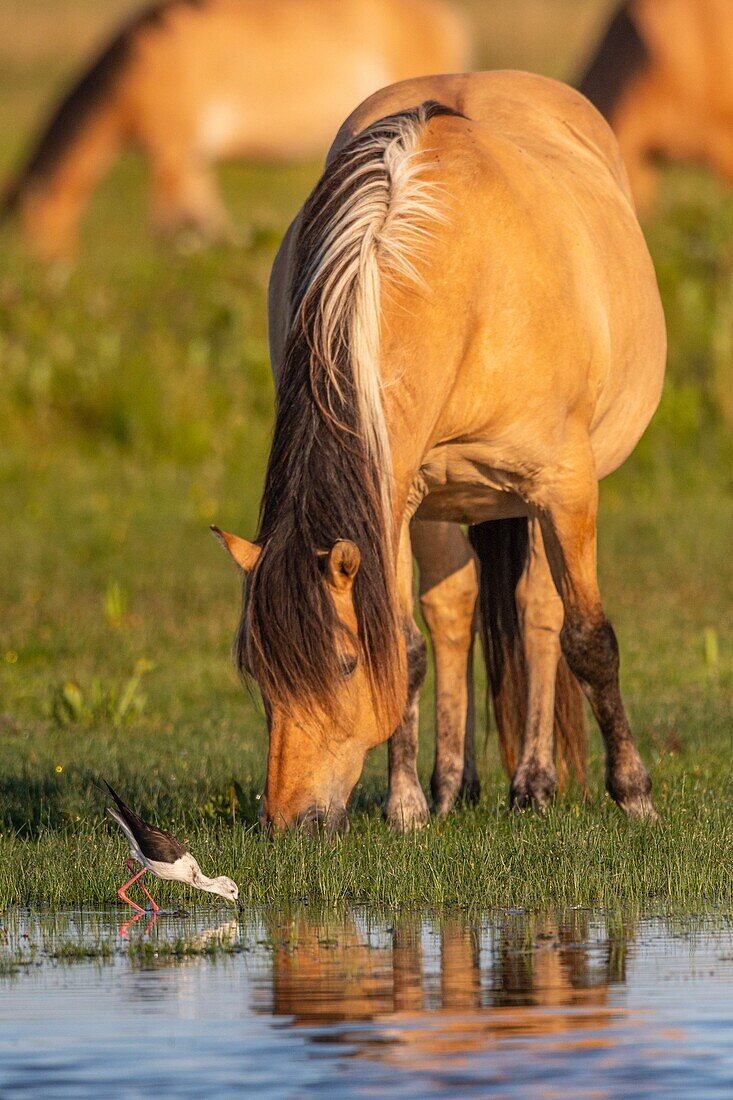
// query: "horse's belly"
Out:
[459,484]
[465,506]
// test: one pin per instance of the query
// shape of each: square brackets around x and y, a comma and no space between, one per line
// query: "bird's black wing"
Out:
[155,844]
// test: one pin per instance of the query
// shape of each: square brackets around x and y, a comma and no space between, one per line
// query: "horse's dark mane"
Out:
[321,486]
[621,55]
[324,482]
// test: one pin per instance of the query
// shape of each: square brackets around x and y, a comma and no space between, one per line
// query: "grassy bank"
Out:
[120,612]
[135,410]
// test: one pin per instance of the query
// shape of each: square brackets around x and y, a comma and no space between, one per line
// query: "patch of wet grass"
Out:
[575,854]
[45,943]
[146,953]
[12,963]
[78,951]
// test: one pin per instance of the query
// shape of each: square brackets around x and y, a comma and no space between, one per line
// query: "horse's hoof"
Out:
[445,790]
[407,811]
[632,793]
[447,795]
[470,791]
[639,806]
[532,788]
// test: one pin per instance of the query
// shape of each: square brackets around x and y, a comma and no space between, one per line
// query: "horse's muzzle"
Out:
[314,821]
[328,823]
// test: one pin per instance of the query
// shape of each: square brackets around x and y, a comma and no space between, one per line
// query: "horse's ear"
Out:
[343,564]
[244,553]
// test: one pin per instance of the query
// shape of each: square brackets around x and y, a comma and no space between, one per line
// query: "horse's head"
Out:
[327,701]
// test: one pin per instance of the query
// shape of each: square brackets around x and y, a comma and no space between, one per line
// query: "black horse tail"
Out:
[502,547]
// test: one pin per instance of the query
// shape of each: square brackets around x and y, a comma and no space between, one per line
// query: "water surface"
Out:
[359,1004]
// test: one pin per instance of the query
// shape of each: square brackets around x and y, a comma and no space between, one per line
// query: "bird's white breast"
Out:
[185,869]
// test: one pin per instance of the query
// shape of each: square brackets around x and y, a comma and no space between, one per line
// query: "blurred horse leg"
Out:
[184,192]
[448,593]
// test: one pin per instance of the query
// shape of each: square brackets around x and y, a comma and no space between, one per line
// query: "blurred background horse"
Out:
[189,82]
[663,77]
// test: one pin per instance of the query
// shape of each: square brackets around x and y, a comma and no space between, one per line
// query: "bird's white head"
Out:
[227,888]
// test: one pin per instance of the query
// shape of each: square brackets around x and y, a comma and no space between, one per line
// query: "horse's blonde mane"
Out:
[373,224]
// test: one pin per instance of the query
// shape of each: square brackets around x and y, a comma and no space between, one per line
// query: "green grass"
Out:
[135,410]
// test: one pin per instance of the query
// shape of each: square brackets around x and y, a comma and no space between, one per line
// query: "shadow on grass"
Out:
[30,806]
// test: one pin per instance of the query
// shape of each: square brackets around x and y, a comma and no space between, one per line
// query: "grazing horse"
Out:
[465,329]
[189,82]
[663,77]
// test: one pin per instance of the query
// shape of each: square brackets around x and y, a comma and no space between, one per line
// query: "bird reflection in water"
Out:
[431,990]
[126,925]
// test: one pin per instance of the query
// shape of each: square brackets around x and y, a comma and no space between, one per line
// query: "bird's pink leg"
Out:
[121,892]
[155,907]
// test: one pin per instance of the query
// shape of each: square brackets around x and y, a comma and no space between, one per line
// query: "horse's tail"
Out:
[77,143]
[502,547]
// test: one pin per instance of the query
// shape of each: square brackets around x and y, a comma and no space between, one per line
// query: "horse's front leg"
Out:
[406,807]
[448,594]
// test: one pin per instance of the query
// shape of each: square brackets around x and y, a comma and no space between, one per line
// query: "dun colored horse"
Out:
[189,82]
[465,329]
[663,77]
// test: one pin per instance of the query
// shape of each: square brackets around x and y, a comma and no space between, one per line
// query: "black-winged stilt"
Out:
[162,855]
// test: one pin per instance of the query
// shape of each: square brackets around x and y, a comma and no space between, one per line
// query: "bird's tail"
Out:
[122,815]
[121,806]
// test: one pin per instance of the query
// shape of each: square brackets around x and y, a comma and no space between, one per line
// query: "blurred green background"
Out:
[136,407]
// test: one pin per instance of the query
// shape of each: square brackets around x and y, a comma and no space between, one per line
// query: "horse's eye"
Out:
[348,666]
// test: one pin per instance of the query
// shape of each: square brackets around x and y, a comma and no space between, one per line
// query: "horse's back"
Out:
[520,105]
[542,299]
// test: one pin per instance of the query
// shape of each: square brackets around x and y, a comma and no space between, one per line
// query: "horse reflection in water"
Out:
[528,977]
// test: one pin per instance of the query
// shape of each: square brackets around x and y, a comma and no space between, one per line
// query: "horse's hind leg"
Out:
[406,807]
[184,193]
[587,637]
[448,593]
[540,613]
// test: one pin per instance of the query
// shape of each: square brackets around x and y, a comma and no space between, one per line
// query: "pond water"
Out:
[357,1004]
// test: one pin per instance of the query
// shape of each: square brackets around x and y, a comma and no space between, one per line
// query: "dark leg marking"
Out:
[591,650]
